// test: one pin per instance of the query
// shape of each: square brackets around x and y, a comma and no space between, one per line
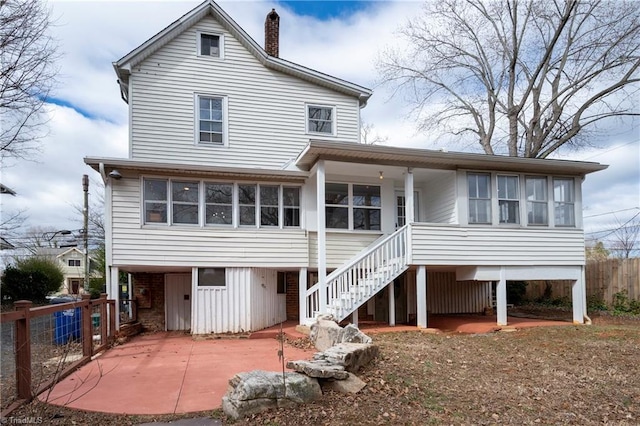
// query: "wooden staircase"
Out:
[357,281]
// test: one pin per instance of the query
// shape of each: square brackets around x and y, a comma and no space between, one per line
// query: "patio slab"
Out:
[166,373]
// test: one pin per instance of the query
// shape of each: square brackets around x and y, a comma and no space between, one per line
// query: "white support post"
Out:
[421,296]
[392,304]
[354,318]
[577,300]
[501,298]
[408,196]
[113,290]
[322,235]
[302,290]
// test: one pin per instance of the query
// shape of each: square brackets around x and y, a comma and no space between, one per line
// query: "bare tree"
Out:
[27,72]
[626,238]
[369,136]
[525,78]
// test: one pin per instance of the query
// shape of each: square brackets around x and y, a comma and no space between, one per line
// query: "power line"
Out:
[609,150]
[616,211]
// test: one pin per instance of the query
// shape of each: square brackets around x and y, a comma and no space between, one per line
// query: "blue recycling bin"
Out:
[68,322]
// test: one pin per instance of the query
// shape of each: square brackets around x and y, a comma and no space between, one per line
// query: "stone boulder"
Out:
[352,384]
[256,391]
[320,369]
[351,356]
[325,333]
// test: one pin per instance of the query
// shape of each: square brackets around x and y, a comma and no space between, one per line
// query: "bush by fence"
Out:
[604,280]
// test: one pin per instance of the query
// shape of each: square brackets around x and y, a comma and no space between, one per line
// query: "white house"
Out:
[247,198]
[71,261]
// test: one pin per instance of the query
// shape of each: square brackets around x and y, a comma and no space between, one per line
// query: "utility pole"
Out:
[85,232]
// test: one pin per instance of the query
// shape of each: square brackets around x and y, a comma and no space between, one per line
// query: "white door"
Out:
[401,214]
[177,295]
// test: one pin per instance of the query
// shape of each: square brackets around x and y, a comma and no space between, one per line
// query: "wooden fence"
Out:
[34,330]
[604,278]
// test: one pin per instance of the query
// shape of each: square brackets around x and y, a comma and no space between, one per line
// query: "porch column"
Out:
[578,299]
[421,296]
[392,304]
[322,235]
[408,196]
[354,318]
[113,289]
[501,299]
[302,298]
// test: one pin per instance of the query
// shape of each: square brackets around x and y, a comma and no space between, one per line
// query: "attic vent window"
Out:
[210,45]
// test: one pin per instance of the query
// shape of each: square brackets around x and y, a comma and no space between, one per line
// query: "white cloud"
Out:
[94,34]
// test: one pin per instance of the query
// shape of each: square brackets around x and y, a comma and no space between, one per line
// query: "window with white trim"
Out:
[212,277]
[269,205]
[155,200]
[218,198]
[509,199]
[479,185]
[74,262]
[537,200]
[247,204]
[351,206]
[291,206]
[564,202]
[211,120]
[184,199]
[210,45]
[321,119]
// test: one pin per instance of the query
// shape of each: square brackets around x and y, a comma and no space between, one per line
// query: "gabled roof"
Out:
[413,157]
[57,252]
[6,190]
[126,63]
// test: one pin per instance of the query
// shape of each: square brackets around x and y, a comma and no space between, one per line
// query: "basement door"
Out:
[177,295]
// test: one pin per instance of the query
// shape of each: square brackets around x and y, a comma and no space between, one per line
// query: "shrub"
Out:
[516,292]
[32,279]
[595,303]
[623,305]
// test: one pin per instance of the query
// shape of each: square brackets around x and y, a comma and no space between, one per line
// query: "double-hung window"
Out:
[337,205]
[537,200]
[351,206]
[508,199]
[211,120]
[155,201]
[479,197]
[269,210]
[184,198]
[210,45]
[219,203]
[291,205]
[366,207]
[321,119]
[564,202]
[247,204]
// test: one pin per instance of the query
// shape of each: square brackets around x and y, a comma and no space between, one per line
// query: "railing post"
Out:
[87,335]
[23,350]
[112,319]
[103,318]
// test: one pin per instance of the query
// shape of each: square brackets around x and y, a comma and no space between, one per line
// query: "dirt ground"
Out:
[583,375]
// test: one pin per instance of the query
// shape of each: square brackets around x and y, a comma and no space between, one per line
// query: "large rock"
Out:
[255,391]
[352,384]
[325,333]
[351,356]
[320,369]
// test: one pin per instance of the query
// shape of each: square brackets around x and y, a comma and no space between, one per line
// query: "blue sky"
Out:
[87,117]
[327,9]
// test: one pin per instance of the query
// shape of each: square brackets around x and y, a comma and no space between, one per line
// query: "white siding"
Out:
[457,245]
[266,109]
[440,199]
[224,309]
[187,246]
[340,247]
[445,295]
[267,306]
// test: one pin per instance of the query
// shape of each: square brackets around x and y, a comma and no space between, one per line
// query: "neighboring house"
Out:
[71,261]
[248,200]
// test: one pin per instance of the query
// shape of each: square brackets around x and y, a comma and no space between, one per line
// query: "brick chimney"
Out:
[272,33]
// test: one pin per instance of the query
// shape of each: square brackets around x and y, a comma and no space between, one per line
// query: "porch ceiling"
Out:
[423,158]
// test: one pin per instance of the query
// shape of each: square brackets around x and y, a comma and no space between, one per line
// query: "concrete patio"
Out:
[172,372]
